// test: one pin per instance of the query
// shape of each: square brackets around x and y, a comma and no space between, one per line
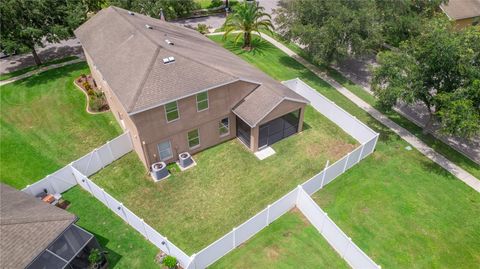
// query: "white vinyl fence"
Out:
[245,231]
[129,217]
[350,124]
[63,179]
[79,171]
[343,244]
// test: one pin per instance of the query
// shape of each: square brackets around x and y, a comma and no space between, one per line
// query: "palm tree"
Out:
[248,17]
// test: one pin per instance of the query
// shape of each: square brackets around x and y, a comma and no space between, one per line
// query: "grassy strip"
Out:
[439,146]
[126,247]
[44,125]
[289,242]
[401,208]
[35,67]
[227,187]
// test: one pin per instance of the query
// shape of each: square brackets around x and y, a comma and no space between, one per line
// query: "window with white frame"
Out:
[165,150]
[193,139]
[224,127]
[171,111]
[202,101]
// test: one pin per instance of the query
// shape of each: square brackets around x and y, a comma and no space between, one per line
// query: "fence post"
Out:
[144,229]
[344,252]
[268,215]
[361,152]
[105,197]
[376,140]
[346,162]
[51,184]
[324,173]
[110,150]
[85,179]
[99,159]
[124,215]
[192,262]
[234,238]
[89,161]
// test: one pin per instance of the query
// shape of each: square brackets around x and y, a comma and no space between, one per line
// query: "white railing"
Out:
[129,217]
[243,232]
[78,171]
[350,124]
[62,180]
[343,244]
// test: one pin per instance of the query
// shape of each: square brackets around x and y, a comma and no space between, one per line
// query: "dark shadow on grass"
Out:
[53,74]
[112,256]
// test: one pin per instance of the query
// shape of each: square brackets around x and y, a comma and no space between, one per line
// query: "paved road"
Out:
[49,52]
[451,167]
[217,21]
[42,69]
[358,71]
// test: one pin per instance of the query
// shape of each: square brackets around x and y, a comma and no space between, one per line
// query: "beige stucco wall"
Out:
[283,108]
[116,108]
[154,128]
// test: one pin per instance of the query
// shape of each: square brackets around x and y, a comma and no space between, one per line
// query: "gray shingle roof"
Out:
[27,226]
[461,9]
[130,58]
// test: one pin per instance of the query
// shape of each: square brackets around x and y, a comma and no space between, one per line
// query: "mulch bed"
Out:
[96,98]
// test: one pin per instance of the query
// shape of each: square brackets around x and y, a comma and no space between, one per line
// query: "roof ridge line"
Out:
[201,63]
[144,79]
[15,222]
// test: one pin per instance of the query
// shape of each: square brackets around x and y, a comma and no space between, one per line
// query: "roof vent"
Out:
[169,42]
[131,13]
[168,60]
[148,26]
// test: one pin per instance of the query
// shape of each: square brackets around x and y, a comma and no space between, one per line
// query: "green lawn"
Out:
[35,67]
[442,148]
[228,186]
[126,247]
[401,208]
[289,242]
[44,125]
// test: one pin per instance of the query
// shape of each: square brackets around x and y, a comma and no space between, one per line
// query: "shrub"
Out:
[170,261]
[91,92]
[94,258]
[202,28]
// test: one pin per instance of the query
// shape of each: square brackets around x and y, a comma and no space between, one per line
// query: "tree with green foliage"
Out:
[172,9]
[439,68]
[403,19]
[26,24]
[246,18]
[331,30]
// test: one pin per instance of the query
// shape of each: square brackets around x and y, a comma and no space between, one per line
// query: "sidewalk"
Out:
[358,72]
[451,167]
[40,70]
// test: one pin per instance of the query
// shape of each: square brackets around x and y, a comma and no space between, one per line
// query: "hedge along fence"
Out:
[63,179]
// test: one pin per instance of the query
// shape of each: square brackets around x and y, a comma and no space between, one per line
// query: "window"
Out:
[171,111]
[193,139]
[165,150]
[202,101]
[224,127]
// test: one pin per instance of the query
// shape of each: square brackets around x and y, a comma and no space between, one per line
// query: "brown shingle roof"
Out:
[461,9]
[27,226]
[130,58]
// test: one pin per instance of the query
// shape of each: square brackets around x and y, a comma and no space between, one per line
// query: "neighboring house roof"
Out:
[27,226]
[130,58]
[461,9]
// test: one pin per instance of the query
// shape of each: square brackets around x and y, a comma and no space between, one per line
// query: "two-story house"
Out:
[177,91]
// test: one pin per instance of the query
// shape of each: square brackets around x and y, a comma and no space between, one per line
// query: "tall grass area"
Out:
[401,208]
